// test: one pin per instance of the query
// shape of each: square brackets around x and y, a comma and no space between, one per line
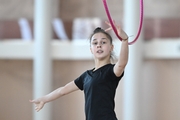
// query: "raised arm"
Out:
[40,102]
[123,57]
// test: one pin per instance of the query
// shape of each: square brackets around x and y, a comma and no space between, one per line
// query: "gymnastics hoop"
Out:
[114,28]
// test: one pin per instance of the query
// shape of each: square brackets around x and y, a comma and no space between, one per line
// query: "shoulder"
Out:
[109,69]
[121,72]
[79,81]
[109,72]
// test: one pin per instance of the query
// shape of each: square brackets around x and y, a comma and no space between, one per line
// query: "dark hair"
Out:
[100,30]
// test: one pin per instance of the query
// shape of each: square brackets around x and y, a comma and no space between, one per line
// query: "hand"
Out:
[120,32]
[38,104]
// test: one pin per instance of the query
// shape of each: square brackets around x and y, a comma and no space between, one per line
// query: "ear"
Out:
[91,50]
[112,48]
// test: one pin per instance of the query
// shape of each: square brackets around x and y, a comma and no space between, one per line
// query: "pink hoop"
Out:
[114,28]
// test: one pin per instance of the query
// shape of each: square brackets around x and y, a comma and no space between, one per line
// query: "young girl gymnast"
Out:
[99,84]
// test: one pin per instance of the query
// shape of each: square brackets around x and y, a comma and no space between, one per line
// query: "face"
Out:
[101,46]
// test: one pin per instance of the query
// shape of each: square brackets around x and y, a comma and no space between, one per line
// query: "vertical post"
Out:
[133,70]
[42,55]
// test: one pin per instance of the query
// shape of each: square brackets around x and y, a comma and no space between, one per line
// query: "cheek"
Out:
[91,49]
[109,48]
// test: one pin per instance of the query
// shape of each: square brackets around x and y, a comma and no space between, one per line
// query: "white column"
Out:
[132,79]
[42,55]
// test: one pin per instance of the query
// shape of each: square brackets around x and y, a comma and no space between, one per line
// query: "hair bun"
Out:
[98,29]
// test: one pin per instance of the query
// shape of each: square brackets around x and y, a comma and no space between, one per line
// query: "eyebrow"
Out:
[101,39]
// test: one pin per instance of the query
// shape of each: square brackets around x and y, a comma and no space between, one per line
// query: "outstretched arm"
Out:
[68,88]
[123,57]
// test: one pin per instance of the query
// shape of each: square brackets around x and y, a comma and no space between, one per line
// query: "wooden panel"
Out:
[161,28]
[9,30]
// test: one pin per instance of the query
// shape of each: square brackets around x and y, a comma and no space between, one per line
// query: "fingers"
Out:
[38,105]
[38,108]
[108,23]
[108,29]
[118,28]
[31,101]
[34,101]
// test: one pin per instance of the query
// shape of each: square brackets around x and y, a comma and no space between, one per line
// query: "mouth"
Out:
[99,51]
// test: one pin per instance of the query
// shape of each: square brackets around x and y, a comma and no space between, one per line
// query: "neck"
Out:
[99,63]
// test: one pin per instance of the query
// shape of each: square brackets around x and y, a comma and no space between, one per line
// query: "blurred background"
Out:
[72,21]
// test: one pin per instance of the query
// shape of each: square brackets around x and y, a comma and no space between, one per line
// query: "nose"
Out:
[99,45]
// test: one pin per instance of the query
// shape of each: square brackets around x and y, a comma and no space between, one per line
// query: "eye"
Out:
[94,43]
[103,42]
